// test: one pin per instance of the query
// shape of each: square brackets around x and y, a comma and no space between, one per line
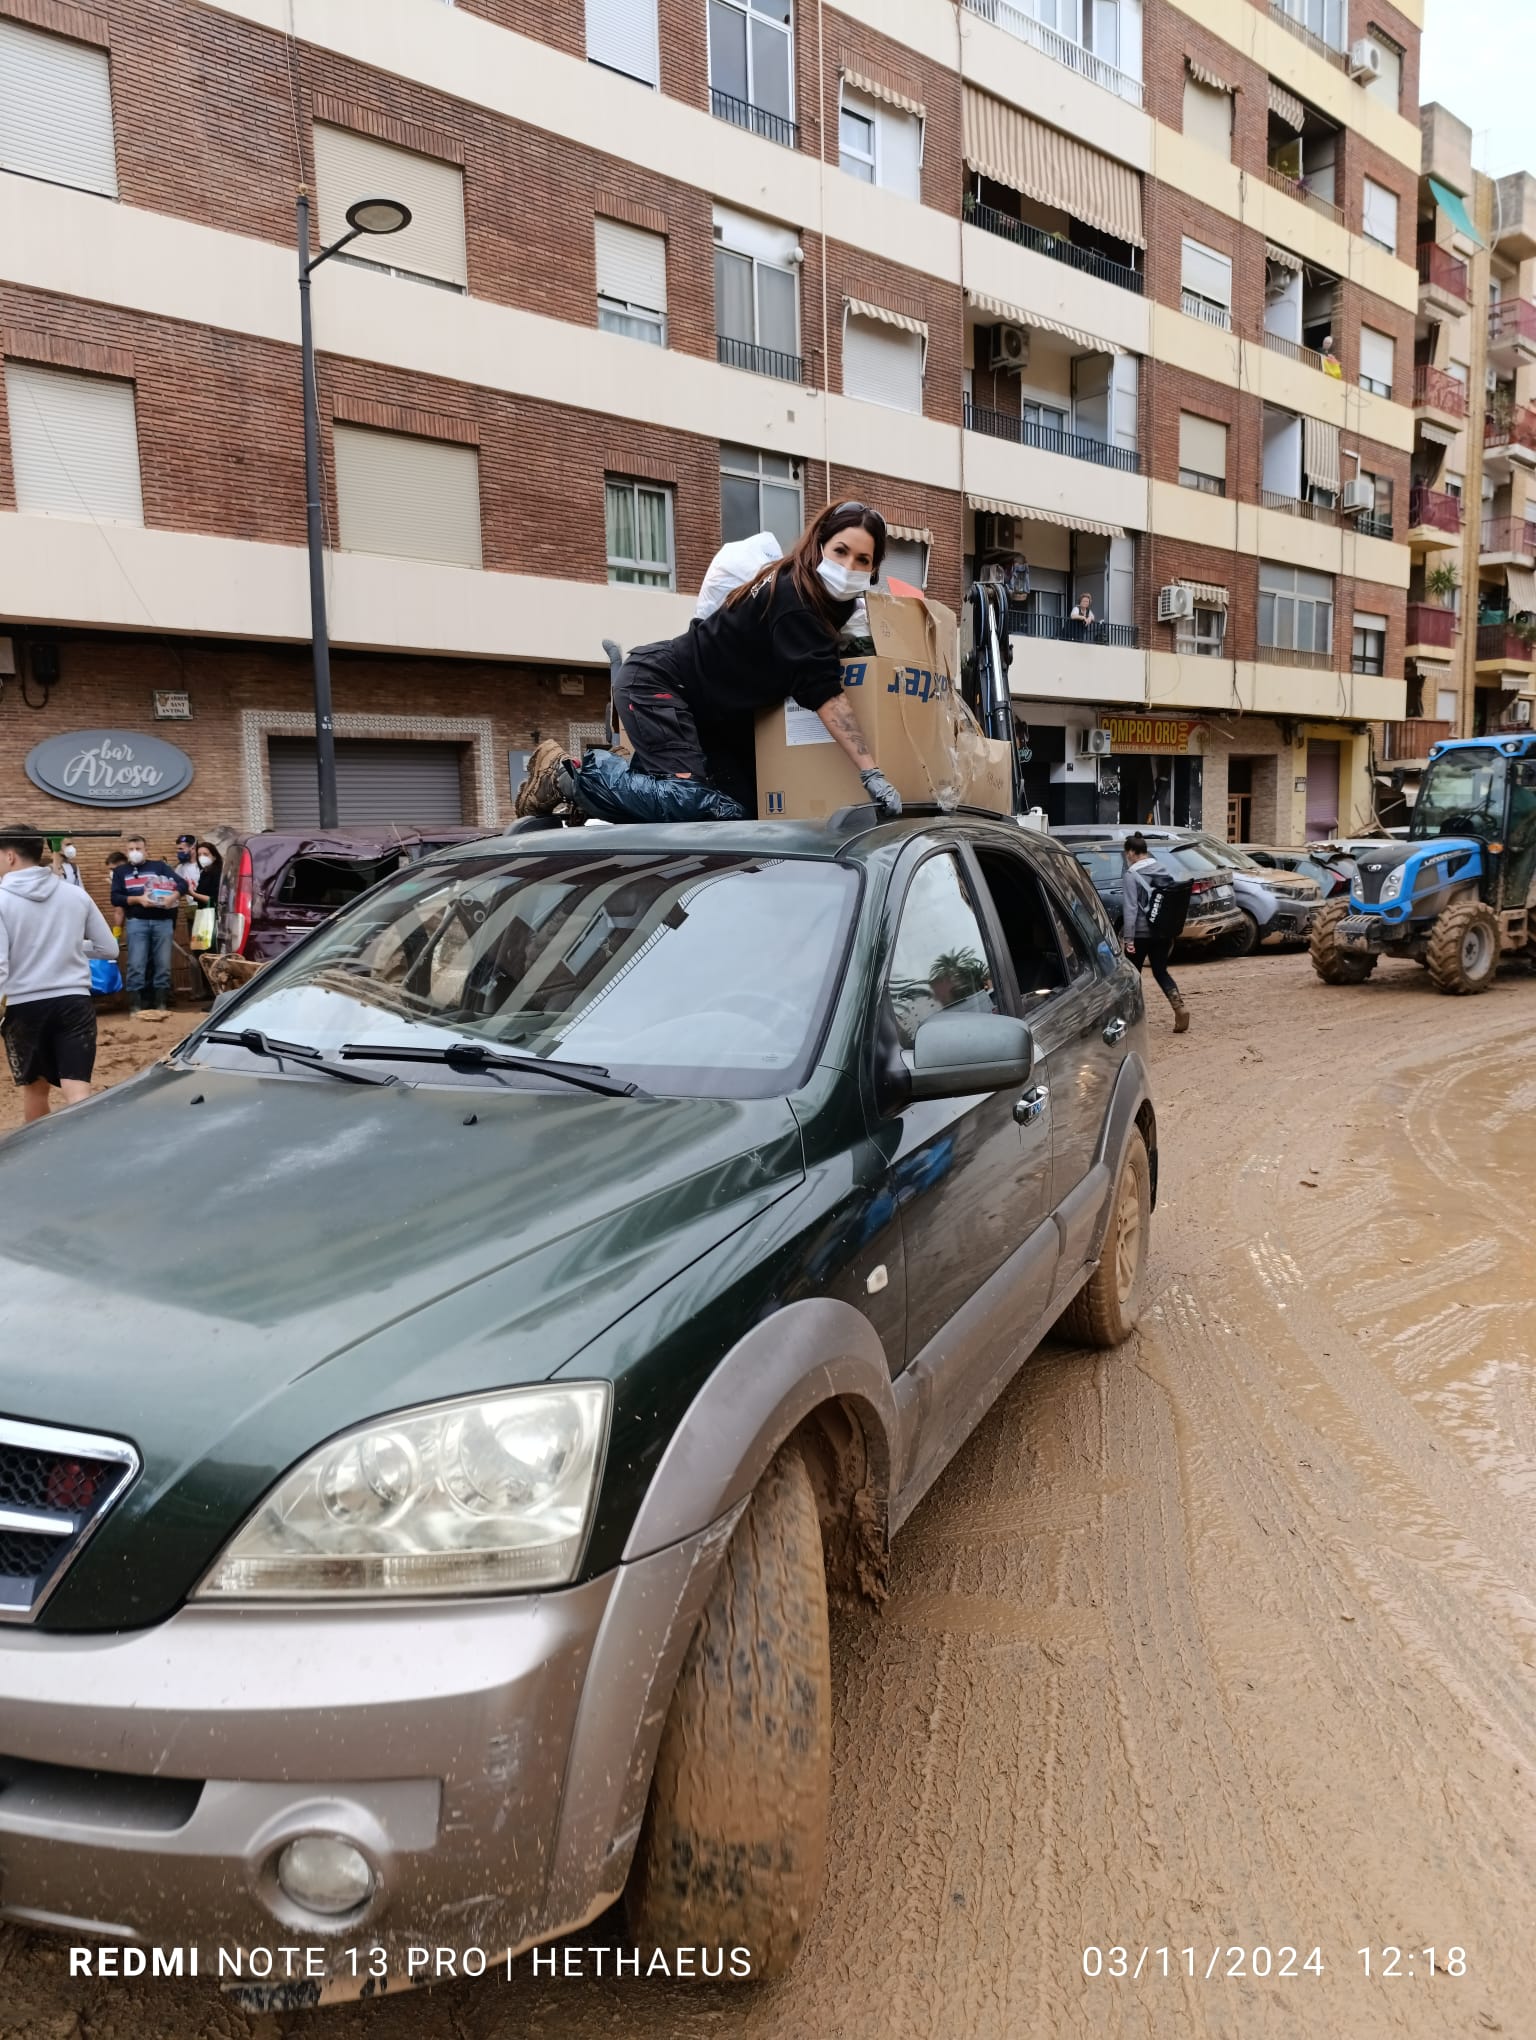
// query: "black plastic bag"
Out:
[609,790]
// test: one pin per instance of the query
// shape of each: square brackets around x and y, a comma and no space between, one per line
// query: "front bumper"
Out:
[1292,919]
[491,1759]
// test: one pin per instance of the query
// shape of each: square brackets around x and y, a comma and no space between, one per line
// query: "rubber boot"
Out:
[1180,1015]
[135,1002]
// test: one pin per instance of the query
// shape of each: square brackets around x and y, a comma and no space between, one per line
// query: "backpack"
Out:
[1167,903]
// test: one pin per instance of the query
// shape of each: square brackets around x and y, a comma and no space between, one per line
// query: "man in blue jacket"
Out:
[149,894]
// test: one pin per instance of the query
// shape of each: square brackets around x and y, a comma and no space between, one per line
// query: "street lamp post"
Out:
[368,216]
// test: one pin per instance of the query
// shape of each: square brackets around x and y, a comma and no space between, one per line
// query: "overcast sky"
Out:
[1463,70]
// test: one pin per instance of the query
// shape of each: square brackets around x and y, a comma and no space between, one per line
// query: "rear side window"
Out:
[940,961]
[1083,903]
[330,882]
[1046,952]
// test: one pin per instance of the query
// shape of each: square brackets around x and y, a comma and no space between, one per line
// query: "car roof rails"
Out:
[865,815]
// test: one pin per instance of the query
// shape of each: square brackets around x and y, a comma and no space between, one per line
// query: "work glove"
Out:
[881,791]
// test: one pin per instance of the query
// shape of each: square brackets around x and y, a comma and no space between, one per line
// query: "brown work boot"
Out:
[541,792]
[1180,1015]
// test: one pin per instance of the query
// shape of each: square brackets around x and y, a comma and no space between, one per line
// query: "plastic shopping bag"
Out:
[203,927]
[106,978]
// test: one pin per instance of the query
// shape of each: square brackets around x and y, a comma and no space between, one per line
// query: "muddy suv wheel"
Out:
[1104,1312]
[1463,949]
[732,1849]
[1242,941]
[1335,964]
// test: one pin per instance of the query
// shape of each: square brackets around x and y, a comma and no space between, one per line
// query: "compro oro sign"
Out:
[109,768]
[1155,735]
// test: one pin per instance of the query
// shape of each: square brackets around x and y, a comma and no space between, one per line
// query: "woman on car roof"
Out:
[689,704]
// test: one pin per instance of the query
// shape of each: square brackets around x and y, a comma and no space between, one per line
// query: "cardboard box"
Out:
[919,730]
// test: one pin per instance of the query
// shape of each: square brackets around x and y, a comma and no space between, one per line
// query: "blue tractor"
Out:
[1459,893]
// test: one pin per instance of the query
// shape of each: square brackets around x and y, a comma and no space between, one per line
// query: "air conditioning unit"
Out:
[996,533]
[1358,495]
[1093,743]
[1518,714]
[1364,61]
[1175,604]
[1010,347]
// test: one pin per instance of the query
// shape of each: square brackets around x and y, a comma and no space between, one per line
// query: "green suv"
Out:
[437,1400]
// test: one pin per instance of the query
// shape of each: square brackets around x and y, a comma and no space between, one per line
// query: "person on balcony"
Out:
[1082,623]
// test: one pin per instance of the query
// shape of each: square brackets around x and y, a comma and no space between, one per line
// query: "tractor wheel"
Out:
[1242,941]
[1463,953]
[1335,964]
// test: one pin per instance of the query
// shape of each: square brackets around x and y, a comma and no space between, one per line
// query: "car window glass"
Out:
[1084,904]
[940,961]
[331,882]
[1030,931]
[1078,960]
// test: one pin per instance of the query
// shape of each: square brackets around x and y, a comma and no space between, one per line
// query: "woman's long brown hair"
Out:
[803,558]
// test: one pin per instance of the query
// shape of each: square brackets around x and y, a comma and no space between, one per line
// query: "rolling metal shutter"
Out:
[56,110]
[74,443]
[413,785]
[631,265]
[621,36]
[414,499]
[882,364]
[350,166]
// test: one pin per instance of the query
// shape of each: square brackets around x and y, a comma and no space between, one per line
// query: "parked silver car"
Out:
[1269,904]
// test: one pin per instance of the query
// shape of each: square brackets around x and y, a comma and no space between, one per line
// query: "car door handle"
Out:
[1115,1031]
[1030,1107]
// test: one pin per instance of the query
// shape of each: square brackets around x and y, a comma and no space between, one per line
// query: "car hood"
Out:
[226,1269]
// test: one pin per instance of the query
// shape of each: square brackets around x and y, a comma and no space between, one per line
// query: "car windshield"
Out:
[1462,794]
[699,975]
[1189,858]
[1227,855]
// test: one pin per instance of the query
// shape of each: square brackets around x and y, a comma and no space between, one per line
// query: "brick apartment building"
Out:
[1115,298]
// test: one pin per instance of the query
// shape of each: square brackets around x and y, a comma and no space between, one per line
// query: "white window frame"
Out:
[1368,185]
[872,122]
[1198,304]
[1369,627]
[1285,594]
[1374,384]
[784,28]
[1207,636]
[741,473]
[643,573]
[734,235]
[645,315]
[99,63]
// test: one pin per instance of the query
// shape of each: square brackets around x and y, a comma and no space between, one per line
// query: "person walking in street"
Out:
[150,896]
[49,933]
[1137,939]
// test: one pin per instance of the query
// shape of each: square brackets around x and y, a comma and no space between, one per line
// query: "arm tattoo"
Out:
[843,723]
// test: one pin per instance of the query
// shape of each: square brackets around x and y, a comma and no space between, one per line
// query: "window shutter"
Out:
[56,110]
[621,36]
[416,499]
[1388,85]
[349,166]
[631,265]
[1380,221]
[1208,273]
[74,442]
[898,151]
[907,559]
[882,364]
[1122,580]
[1202,445]
[1208,117]
[1376,355]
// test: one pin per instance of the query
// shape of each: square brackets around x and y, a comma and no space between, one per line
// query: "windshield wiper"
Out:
[472,1058]
[254,1042]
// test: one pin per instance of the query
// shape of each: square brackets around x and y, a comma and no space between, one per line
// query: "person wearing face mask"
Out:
[64,865]
[689,705]
[149,894]
[49,933]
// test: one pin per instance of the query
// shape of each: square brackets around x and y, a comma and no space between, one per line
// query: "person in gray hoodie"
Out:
[1136,936]
[49,932]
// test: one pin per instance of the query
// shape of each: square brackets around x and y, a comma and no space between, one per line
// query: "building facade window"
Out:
[757,295]
[1208,116]
[1207,284]
[883,363]
[1206,635]
[74,444]
[621,36]
[880,144]
[1377,357]
[56,110]
[351,166]
[760,492]
[1370,647]
[751,65]
[1295,609]
[408,497]
[1379,221]
[1202,454]
[907,560]
[639,525]
[1377,521]
[1326,19]
[1387,85]
[631,281]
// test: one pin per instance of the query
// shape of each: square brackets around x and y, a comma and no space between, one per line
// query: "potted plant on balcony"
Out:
[1441,582]
[1524,628]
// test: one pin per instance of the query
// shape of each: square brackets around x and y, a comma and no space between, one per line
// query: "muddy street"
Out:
[1222,1644]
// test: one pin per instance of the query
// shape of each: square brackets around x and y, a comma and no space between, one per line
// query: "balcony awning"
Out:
[1057,517]
[1286,106]
[914,534]
[886,316]
[1522,590]
[1283,257]
[1455,211]
[1016,315]
[1207,594]
[889,88]
[1056,169]
[1204,77]
[1320,454]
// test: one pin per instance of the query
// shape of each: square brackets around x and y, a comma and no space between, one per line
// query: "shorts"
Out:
[51,1040]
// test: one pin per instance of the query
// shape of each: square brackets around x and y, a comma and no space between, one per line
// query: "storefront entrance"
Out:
[1164,791]
[415,785]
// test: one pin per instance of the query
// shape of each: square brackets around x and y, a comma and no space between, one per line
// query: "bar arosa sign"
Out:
[109,768]
[1150,734]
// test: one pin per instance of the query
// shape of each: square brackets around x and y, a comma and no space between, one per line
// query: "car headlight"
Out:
[1392,884]
[487,1495]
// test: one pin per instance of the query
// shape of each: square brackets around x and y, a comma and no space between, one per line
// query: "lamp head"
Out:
[378,216]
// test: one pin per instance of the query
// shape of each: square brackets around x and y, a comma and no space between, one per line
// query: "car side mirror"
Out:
[957,1054]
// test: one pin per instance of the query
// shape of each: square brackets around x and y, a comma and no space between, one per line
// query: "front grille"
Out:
[55,1487]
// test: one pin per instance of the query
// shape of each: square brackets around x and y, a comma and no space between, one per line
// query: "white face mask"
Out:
[204,862]
[69,852]
[841,581]
[135,856]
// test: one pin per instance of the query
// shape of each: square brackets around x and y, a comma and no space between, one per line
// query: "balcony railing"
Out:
[1298,506]
[1439,266]
[1511,428]
[756,119]
[1374,524]
[1433,509]
[1066,630]
[1512,319]
[1509,535]
[1282,655]
[1075,445]
[1429,624]
[1434,390]
[1400,742]
[1059,250]
[1013,21]
[1196,307]
[1292,349]
[1502,641]
[1279,12]
[759,360]
[1296,187]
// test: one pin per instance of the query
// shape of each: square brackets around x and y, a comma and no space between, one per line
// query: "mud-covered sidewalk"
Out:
[1210,1650]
